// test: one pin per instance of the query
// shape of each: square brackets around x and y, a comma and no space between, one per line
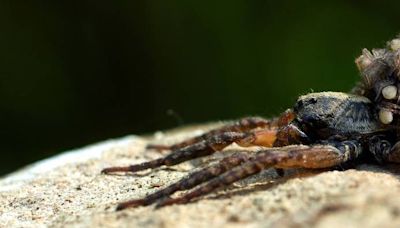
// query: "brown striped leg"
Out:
[206,147]
[315,156]
[191,181]
[243,125]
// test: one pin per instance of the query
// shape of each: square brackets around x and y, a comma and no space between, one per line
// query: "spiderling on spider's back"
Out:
[323,130]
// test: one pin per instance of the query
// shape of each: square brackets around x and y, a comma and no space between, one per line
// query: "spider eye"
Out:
[386,117]
[313,100]
[389,92]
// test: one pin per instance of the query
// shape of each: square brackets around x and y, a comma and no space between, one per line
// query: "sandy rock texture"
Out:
[69,191]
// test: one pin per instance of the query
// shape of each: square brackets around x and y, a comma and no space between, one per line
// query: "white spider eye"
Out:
[395,44]
[389,92]
[386,117]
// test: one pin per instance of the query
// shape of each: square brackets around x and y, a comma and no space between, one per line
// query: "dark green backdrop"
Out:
[77,72]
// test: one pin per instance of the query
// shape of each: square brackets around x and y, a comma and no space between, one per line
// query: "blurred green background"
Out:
[77,72]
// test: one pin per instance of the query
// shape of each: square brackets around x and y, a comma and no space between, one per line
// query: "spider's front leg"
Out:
[314,156]
[242,125]
[216,141]
[204,148]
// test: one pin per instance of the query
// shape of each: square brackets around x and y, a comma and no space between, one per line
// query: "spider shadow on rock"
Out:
[392,169]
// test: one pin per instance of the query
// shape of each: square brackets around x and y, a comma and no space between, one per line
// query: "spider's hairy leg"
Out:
[190,181]
[215,143]
[242,125]
[314,156]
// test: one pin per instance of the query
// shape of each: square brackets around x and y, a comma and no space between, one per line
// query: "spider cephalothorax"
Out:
[322,130]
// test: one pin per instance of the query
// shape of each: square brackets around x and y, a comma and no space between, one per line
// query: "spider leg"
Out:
[206,147]
[314,156]
[263,137]
[191,181]
[242,125]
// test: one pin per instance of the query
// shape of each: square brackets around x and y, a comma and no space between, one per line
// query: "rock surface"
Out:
[68,190]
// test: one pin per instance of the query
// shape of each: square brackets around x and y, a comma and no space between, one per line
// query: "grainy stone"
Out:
[68,190]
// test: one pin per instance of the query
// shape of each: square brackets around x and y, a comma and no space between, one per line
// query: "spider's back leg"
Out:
[315,156]
[191,181]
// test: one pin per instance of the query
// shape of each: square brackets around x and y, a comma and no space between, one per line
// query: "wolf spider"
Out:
[323,130]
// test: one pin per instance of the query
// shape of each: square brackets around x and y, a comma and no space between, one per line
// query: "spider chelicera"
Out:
[323,130]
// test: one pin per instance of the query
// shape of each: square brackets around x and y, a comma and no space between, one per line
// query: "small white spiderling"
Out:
[395,44]
[364,60]
[389,92]
[386,117]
